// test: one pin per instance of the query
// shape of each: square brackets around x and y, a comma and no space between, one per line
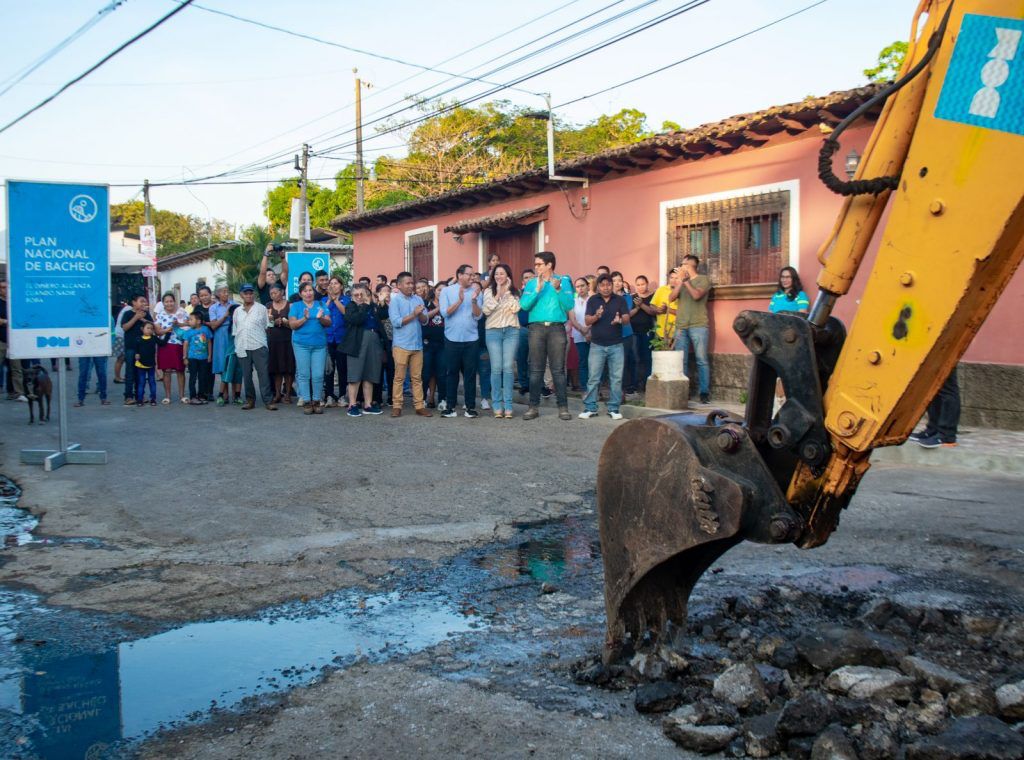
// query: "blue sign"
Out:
[984,84]
[305,262]
[75,704]
[58,269]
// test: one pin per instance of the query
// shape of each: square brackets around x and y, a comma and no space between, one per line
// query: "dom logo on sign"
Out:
[984,85]
[53,342]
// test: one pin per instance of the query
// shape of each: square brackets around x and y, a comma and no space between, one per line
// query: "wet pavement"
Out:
[521,617]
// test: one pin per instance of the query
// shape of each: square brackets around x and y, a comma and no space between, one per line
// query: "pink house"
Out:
[742,194]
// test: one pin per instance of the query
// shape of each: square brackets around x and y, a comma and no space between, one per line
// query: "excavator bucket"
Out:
[674,493]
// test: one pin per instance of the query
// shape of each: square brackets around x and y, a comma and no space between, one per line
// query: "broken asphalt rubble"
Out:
[800,674]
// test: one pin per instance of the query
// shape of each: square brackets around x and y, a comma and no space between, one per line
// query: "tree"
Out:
[174,232]
[242,261]
[459,147]
[890,61]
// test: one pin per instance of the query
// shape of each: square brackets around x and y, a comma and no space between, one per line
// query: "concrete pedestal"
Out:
[667,394]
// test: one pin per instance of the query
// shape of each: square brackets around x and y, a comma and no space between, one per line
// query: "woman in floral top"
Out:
[169,359]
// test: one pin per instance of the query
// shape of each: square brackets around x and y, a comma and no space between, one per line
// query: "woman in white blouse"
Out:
[501,306]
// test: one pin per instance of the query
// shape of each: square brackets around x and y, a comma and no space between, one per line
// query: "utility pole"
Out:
[151,281]
[360,206]
[301,244]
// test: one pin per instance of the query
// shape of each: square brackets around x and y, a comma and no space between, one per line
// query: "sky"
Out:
[204,94]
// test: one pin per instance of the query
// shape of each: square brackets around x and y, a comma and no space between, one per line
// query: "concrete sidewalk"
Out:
[1000,452]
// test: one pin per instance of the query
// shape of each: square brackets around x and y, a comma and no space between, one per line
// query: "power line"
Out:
[690,5]
[107,57]
[381,90]
[322,41]
[19,76]
[694,55]
[329,134]
[294,179]
[679,10]
[424,94]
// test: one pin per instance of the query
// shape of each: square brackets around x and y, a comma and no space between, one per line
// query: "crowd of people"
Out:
[375,344]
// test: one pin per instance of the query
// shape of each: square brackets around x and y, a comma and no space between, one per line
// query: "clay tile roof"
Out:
[504,220]
[745,131]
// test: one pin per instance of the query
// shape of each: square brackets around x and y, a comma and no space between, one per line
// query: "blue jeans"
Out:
[583,349]
[85,366]
[309,367]
[523,359]
[502,344]
[698,336]
[144,377]
[614,357]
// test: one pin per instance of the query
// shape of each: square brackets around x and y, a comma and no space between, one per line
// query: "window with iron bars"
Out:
[419,258]
[740,241]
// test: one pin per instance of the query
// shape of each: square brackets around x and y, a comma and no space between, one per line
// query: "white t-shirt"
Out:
[579,311]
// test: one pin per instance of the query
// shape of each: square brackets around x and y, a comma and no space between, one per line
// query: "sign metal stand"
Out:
[68,453]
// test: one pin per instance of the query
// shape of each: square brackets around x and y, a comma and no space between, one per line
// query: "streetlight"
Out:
[549,117]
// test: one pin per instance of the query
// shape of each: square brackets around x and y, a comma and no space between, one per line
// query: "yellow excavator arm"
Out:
[946,159]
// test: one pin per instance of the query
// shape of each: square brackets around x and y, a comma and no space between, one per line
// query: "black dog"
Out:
[38,387]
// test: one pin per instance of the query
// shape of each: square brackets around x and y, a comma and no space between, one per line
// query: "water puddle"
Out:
[548,559]
[16,525]
[70,705]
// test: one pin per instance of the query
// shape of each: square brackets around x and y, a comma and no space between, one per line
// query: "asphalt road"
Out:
[204,512]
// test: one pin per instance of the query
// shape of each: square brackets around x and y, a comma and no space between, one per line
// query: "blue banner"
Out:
[306,262]
[984,85]
[58,269]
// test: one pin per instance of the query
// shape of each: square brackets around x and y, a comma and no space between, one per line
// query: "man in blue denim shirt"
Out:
[408,314]
[462,305]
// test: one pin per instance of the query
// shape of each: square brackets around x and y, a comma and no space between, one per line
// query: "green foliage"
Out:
[243,260]
[461,147]
[277,205]
[661,342]
[174,232]
[670,126]
[889,63]
[627,126]
[343,271]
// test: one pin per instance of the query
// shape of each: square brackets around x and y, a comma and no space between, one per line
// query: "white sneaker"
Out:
[614,415]
[585,415]
[485,404]
[21,398]
[442,406]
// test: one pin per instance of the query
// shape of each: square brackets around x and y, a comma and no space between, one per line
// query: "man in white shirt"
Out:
[249,326]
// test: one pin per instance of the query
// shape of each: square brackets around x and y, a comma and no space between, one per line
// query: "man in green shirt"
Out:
[692,321]
[547,298]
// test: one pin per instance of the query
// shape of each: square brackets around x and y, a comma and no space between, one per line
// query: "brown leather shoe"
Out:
[318,407]
[424,413]
[271,407]
[248,405]
[307,408]
[396,411]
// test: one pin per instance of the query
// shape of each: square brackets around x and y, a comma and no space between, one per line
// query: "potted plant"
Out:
[666,363]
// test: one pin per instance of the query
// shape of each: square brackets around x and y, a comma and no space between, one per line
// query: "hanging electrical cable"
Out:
[166,17]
